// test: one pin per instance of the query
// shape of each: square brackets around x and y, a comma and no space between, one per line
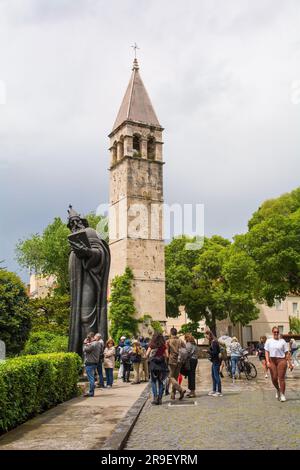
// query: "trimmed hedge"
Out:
[32,384]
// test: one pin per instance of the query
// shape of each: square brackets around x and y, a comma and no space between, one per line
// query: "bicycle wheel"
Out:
[250,370]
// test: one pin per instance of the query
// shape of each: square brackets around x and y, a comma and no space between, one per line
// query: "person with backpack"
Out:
[144,342]
[236,352]
[157,353]
[100,361]
[191,348]
[125,358]
[214,356]
[118,356]
[177,356]
[294,352]
[260,352]
[136,359]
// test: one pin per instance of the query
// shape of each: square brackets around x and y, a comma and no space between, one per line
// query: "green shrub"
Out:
[294,325]
[32,384]
[45,342]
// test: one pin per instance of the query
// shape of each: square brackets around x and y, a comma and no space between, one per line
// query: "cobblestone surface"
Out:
[247,417]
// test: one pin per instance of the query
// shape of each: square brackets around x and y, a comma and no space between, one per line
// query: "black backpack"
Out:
[125,355]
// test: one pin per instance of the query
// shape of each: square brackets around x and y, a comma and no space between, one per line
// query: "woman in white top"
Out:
[277,357]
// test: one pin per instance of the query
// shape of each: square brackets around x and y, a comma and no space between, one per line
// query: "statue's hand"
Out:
[80,249]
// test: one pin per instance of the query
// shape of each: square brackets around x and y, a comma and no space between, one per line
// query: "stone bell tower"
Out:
[136,197]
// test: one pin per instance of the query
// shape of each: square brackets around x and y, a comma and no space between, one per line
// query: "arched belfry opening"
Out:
[151,148]
[114,153]
[136,145]
[121,148]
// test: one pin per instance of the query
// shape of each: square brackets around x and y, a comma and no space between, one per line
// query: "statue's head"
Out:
[75,222]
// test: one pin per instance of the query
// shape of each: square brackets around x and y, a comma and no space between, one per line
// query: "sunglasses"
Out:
[276,332]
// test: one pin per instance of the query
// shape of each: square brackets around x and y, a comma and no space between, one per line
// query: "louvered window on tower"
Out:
[151,148]
[136,149]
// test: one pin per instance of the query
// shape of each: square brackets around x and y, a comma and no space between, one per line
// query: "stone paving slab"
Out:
[247,417]
[80,423]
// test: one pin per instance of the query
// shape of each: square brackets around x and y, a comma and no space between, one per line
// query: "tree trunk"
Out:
[213,326]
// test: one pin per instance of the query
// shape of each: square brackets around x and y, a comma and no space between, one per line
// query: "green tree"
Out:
[48,254]
[51,314]
[192,328]
[121,309]
[273,243]
[294,325]
[14,312]
[213,283]
[179,263]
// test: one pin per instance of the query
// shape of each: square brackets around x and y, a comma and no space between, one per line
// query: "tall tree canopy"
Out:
[213,283]
[48,253]
[273,243]
[14,312]
[121,308]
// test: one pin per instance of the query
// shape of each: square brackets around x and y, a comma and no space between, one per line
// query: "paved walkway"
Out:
[81,423]
[247,417]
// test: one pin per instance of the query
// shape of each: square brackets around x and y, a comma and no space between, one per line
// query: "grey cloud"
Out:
[218,73]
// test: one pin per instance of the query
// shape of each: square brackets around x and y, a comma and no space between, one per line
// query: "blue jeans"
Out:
[90,372]
[234,365]
[100,374]
[157,384]
[215,373]
[109,376]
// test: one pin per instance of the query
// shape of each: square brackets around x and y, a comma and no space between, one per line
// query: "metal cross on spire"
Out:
[135,47]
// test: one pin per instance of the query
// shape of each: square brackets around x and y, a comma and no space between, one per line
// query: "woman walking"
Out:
[191,347]
[158,355]
[260,352]
[214,353]
[236,352]
[277,359]
[109,361]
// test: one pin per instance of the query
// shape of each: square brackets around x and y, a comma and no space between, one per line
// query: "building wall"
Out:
[181,320]
[41,286]
[268,317]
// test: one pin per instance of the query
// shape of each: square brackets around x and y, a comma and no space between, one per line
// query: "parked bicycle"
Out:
[247,367]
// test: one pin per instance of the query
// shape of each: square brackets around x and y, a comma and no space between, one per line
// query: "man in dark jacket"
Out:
[91,351]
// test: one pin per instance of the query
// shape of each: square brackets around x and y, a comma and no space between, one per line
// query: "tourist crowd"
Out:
[164,360]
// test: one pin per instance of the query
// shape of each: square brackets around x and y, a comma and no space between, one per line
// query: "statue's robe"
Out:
[88,286]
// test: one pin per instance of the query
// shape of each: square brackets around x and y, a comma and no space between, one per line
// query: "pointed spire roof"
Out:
[136,105]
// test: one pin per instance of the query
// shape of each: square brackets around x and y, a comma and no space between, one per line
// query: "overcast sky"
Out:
[222,76]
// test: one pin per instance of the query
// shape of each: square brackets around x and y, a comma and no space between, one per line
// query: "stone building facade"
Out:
[268,317]
[136,198]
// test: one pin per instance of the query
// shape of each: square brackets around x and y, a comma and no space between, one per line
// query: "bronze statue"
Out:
[89,264]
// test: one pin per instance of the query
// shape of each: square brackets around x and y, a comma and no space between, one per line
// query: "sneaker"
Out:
[217,394]
[211,393]
[277,396]
[282,397]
